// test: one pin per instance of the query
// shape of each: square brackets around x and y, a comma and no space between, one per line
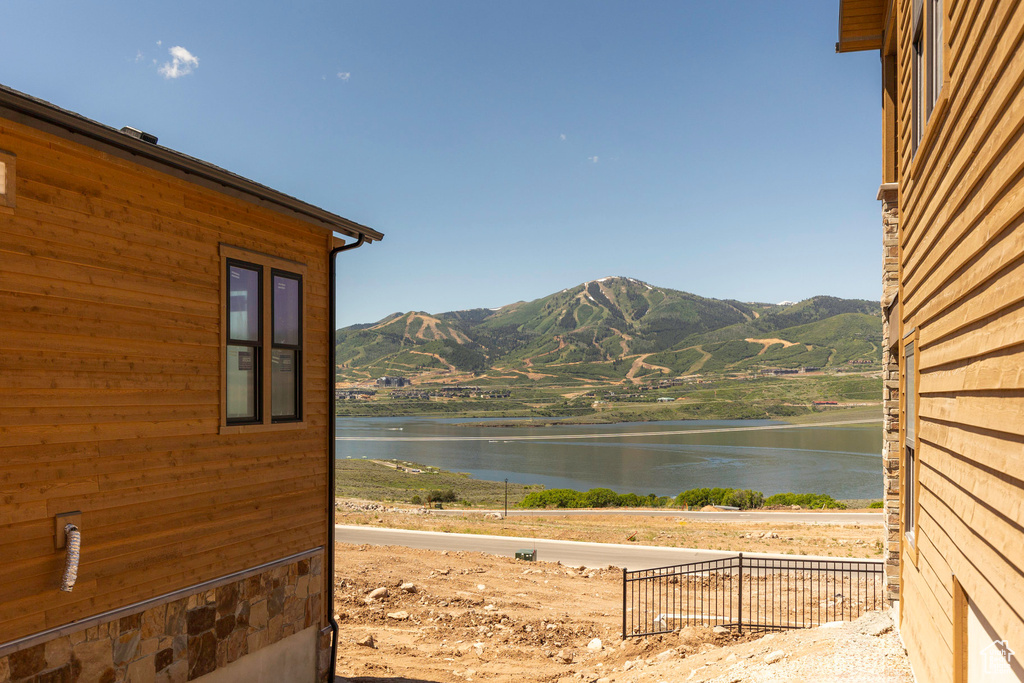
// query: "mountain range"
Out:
[613,329]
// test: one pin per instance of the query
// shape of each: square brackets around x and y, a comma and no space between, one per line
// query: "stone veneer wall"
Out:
[890,392]
[184,638]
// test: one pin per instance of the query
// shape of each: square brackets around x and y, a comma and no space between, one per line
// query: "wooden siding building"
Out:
[165,382]
[953,224]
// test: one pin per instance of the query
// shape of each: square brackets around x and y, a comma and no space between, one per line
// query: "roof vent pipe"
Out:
[139,135]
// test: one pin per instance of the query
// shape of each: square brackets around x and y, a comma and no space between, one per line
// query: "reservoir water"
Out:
[842,460]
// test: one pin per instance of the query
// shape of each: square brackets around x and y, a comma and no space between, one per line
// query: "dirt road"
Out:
[847,539]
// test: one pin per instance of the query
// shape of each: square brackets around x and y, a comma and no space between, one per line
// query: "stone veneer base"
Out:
[186,635]
[292,659]
[890,393]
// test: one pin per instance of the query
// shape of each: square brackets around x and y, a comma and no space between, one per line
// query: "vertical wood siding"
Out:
[962,287]
[110,362]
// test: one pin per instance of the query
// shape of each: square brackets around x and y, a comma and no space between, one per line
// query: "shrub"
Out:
[876,505]
[631,500]
[559,498]
[744,499]
[446,496]
[601,498]
[594,498]
[416,500]
[807,500]
[747,499]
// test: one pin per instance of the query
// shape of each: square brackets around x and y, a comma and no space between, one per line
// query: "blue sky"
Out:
[507,150]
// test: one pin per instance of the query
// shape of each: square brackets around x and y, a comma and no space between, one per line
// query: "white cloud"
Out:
[562,136]
[592,159]
[159,42]
[344,75]
[181,64]
[138,55]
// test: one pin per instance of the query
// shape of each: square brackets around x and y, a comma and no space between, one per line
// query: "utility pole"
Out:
[506,497]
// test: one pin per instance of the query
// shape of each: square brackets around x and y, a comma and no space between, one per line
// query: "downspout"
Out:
[332,434]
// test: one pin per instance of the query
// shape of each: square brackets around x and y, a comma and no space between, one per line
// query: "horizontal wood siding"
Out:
[962,288]
[860,24]
[110,398]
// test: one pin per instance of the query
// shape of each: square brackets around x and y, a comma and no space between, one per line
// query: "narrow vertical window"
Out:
[934,54]
[286,347]
[909,442]
[917,80]
[244,343]
[926,75]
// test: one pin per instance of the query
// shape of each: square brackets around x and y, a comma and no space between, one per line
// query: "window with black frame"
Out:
[926,65]
[244,342]
[286,347]
[936,46]
[917,79]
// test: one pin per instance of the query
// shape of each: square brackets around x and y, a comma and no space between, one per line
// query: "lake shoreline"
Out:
[869,413]
[840,458]
[397,482]
[807,418]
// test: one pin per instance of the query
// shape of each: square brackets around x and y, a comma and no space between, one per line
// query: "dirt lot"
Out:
[836,540]
[450,617]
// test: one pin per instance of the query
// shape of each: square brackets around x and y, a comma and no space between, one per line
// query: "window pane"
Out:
[286,310]
[284,378]
[241,382]
[244,288]
[909,482]
[911,411]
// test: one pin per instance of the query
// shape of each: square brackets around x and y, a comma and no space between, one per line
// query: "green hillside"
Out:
[613,330]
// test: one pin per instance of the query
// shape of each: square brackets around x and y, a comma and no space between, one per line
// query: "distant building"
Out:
[392,382]
[413,395]
[345,394]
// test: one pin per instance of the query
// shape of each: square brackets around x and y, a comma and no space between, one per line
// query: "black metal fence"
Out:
[752,593]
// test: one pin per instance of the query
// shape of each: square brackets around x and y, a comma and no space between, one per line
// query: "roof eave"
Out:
[861,25]
[40,114]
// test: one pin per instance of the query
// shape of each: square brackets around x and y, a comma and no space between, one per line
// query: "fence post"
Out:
[623,603]
[739,602]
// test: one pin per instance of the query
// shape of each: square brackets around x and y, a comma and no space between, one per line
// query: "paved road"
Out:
[572,553]
[780,517]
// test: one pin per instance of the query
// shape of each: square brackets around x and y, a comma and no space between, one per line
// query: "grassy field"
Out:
[372,480]
[788,398]
[384,481]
